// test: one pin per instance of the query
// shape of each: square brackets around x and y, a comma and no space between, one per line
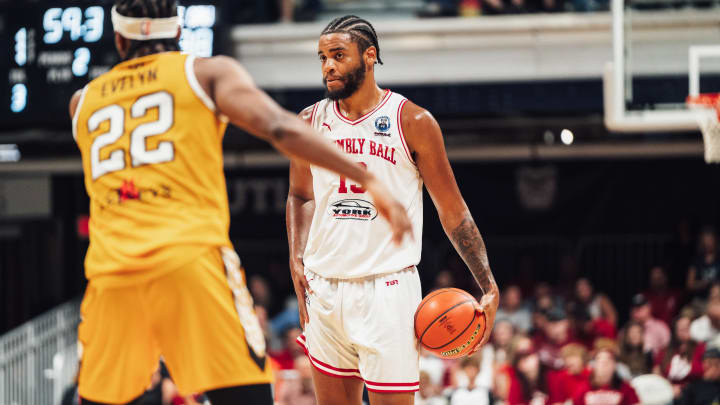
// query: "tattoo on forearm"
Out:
[470,246]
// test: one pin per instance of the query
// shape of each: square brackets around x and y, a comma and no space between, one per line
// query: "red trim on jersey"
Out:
[312,115]
[402,134]
[386,97]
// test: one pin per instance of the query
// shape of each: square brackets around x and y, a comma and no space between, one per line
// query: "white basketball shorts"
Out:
[363,328]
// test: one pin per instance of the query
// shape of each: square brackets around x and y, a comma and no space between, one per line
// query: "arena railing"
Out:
[38,359]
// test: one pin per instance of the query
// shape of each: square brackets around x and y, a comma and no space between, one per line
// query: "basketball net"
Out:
[707,112]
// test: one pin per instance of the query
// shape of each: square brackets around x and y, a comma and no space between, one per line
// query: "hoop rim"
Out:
[704,99]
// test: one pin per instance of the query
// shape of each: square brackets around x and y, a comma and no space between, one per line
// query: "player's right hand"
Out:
[302,287]
[390,209]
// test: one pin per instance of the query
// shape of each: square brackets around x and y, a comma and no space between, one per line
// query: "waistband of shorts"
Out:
[364,278]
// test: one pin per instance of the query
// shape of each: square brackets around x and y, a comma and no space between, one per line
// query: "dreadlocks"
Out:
[361,31]
[148,9]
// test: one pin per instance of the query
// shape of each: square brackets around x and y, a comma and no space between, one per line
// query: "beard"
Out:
[352,81]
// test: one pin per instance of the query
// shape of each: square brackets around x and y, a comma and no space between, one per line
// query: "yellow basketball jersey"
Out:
[151,145]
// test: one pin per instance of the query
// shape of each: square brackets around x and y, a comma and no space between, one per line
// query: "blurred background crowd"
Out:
[260,11]
[558,342]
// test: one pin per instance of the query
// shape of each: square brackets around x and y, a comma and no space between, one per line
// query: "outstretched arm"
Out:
[248,107]
[426,142]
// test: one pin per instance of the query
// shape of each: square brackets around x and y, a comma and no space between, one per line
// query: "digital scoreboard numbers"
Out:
[56,47]
[54,50]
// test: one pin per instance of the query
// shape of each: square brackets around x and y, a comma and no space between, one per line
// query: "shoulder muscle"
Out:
[209,70]
[306,114]
[418,125]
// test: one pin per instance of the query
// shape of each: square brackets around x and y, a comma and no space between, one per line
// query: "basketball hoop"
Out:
[707,111]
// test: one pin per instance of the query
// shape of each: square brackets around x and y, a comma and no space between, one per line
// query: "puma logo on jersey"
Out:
[393,282]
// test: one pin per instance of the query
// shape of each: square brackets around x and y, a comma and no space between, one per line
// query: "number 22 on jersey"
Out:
[139,153]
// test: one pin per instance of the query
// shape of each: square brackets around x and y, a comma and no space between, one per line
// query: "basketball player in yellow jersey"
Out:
[163,278]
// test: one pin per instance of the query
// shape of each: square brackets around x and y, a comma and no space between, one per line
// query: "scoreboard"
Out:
[55,47]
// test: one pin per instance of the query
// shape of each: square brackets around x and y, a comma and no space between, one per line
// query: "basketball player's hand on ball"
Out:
[302,287]
[488,305]
[391,210]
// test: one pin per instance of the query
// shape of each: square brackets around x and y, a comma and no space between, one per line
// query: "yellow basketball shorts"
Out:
[199,318]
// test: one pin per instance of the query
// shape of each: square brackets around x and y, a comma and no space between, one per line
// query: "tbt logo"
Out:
[359,210]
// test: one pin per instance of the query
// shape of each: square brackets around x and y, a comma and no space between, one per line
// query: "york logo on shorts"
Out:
[393,282]
[354,209]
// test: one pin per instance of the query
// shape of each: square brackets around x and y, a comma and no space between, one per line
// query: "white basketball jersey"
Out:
[348,239]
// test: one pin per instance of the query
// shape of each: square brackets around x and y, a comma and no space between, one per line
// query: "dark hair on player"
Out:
[148,9]
[361,31]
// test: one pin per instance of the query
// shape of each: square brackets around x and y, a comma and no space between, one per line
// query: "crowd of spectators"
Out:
[560,344]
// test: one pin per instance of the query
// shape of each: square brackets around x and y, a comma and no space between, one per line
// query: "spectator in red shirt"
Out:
[656,334]
[563,384]
[664,301]
[286,357]
[557,334]
[594,316]
[598,305]
[681,362]
[524,382]
[605,387]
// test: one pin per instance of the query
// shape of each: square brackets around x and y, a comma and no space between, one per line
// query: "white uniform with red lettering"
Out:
[365,288]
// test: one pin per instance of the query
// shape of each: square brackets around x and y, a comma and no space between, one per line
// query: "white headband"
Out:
[142,29]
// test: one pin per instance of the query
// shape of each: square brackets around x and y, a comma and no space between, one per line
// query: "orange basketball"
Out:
[448,324]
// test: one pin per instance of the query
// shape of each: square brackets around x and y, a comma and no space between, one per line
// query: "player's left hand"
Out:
[391,210]
[488,306]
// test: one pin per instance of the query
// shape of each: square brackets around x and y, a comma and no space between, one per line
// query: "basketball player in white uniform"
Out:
[357,291]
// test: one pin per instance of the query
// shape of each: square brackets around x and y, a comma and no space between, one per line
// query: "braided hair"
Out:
[148,9]
[360,30]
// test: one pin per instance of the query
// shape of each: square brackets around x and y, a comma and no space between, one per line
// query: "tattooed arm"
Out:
[426,144]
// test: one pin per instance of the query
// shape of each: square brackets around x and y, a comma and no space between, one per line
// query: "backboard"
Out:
[663,51]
